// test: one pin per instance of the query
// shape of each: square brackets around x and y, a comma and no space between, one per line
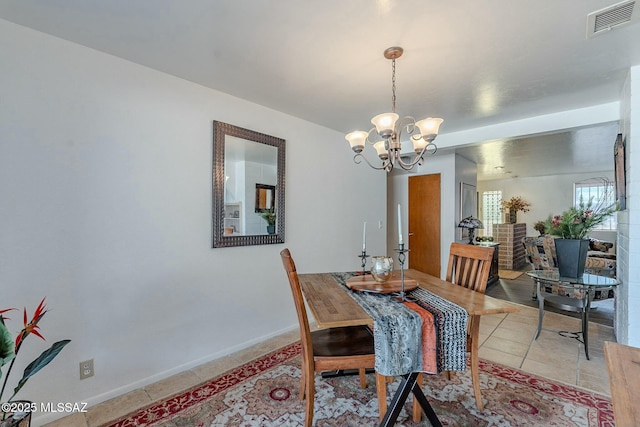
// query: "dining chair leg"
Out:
[417,409]
[474,329]
[310,396]
[363,378]
[302,381]
[381,389]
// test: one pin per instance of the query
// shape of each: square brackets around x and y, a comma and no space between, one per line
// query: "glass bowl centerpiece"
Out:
[381,268]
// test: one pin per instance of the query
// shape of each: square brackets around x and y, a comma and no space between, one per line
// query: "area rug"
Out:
[509,274]
[265,391]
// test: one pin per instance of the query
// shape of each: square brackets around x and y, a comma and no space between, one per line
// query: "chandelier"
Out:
[389,130]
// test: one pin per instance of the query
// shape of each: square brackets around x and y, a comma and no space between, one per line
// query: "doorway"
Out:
[424,223]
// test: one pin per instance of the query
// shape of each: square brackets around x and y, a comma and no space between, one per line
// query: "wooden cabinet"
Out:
[493,273]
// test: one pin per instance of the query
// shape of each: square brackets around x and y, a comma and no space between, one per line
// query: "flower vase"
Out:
[21,417]
[571,255]
[271,229]
[513,216]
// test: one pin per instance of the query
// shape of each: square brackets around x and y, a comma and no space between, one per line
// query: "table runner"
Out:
[429,339]
[397,330]
[451,328]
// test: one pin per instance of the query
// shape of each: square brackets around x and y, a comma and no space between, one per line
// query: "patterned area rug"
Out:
[265,393]
[509,274]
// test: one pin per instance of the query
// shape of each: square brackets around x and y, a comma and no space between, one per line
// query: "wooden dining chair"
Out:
[329,349]
[469,267]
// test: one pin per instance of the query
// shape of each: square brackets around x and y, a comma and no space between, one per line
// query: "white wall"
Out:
[467,173]
[548,195]
[105,209]
[398,192]
[627,313]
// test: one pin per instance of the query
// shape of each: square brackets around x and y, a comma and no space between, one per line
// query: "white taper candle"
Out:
[400,241]
[364,237]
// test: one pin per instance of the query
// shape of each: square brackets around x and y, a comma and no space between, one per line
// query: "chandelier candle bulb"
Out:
[429,128]
[357,140]
[385,123]
[381,150]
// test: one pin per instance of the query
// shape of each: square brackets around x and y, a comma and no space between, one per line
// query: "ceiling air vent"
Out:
[610,18]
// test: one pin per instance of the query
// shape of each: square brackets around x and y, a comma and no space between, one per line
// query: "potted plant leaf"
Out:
[573,227]
[269,215]
[9,350]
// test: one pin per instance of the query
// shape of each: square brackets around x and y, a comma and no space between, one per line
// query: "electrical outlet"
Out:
[86,369]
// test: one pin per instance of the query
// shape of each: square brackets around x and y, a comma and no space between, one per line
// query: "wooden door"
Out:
[424,223]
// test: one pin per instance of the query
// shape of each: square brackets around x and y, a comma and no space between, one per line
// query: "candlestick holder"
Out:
[363,256]
[401,257]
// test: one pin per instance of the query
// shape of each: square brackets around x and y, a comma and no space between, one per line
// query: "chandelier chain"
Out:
[393,85]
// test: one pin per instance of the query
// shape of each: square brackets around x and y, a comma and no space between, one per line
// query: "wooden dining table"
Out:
[332,306]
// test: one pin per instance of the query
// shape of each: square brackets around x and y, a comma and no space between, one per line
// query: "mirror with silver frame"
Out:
[248,187]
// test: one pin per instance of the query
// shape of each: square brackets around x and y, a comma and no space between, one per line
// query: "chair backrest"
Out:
[540,251]
[469,266]
[298,299]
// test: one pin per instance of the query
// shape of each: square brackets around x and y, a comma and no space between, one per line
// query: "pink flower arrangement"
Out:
[578,222]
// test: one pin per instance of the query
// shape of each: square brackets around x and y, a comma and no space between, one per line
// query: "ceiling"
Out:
[322,61]
[573,151]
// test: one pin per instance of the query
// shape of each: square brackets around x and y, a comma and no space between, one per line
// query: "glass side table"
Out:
[570,294]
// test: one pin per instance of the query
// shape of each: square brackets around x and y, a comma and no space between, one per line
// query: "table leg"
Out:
[407,385]
[585,322]
[584,333]
[540,308]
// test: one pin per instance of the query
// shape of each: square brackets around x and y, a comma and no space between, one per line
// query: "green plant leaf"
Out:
[7,349]
[42,361]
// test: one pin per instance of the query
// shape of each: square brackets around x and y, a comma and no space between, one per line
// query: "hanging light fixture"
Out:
[388,130]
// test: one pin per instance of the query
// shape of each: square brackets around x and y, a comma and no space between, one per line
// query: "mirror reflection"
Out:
[265,197]
[248,187]
[247,164]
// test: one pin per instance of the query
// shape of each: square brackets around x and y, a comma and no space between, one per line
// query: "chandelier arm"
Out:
[410,165]
[384,166]
[419,159]
[372,131]
[410,125]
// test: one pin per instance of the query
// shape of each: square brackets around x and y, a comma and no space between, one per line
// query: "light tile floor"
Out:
[506,339]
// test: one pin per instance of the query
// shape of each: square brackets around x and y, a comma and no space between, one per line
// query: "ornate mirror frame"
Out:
[220,240]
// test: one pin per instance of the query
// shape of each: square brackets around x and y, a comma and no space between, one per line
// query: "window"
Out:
[602,193]
[491,210]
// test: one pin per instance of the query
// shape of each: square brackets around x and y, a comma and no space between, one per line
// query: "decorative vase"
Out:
[21,417]
[571,255]
[271,229]
[513,216]
[381,268]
